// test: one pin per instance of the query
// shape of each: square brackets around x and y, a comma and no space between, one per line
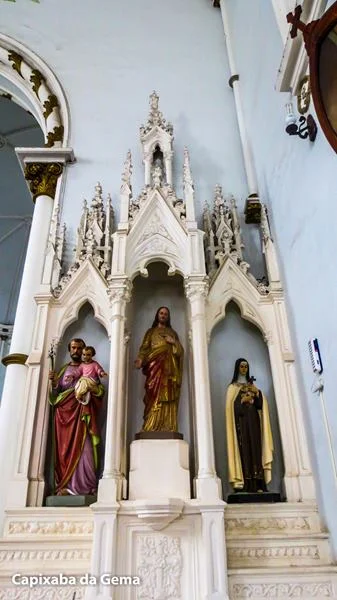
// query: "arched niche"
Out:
[148,294]
[231,338]
[94,334]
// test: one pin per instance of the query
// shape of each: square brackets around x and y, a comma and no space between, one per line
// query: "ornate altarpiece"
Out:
[175,542]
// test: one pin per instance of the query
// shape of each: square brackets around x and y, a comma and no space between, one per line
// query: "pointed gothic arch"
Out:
[86,286]
[235,336]
[233,285]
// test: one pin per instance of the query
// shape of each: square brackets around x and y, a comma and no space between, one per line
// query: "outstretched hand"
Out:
[138,363]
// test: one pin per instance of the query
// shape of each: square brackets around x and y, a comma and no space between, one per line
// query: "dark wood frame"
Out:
[314,34]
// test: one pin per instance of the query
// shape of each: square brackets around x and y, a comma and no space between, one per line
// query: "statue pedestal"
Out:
[159,468]
[70,500]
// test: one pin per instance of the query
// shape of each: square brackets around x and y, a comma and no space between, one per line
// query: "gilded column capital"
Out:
[42,178]
[14,359]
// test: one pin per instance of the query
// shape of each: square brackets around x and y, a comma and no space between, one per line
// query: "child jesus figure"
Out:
[90,371]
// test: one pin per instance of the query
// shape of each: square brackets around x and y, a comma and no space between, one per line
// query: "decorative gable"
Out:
[158,234]
[87,284]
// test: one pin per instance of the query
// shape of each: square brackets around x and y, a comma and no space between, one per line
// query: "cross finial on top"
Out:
[155,118]
[154,100]
[294,19]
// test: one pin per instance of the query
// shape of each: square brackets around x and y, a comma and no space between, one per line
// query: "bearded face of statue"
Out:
[163,316]
[76,349]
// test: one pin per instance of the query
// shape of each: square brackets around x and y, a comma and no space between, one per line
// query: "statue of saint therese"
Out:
[249,437]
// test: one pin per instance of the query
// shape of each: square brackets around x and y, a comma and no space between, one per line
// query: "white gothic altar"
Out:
[161,513]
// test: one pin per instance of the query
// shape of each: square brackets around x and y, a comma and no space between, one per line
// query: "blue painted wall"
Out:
[297,180]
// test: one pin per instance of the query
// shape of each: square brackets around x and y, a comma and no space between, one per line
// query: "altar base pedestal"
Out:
[159,468]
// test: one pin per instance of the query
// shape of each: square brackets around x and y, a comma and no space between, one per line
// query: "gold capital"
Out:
[43,178]
[14,359]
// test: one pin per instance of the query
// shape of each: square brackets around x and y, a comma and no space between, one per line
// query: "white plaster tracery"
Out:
[159,567]
[93,241]
[67,307]
[283,590]
[158,226]
[23,556]
[55,593]
[156,236]
[50,528]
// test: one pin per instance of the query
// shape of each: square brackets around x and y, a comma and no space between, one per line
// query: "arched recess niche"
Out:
[94,334]
[231,338]
[148,294]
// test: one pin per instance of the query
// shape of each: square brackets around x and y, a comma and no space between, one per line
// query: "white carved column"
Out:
[36,394]
[168,155]
[188,189]
[215,555]
[43,178]
[298,478]
[269,252]
[126,191]
[147,165]
[104,551]
[124,415]
[111,484]
[208,486]
[22,484]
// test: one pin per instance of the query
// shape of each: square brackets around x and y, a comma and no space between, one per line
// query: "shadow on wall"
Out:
[233,338]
